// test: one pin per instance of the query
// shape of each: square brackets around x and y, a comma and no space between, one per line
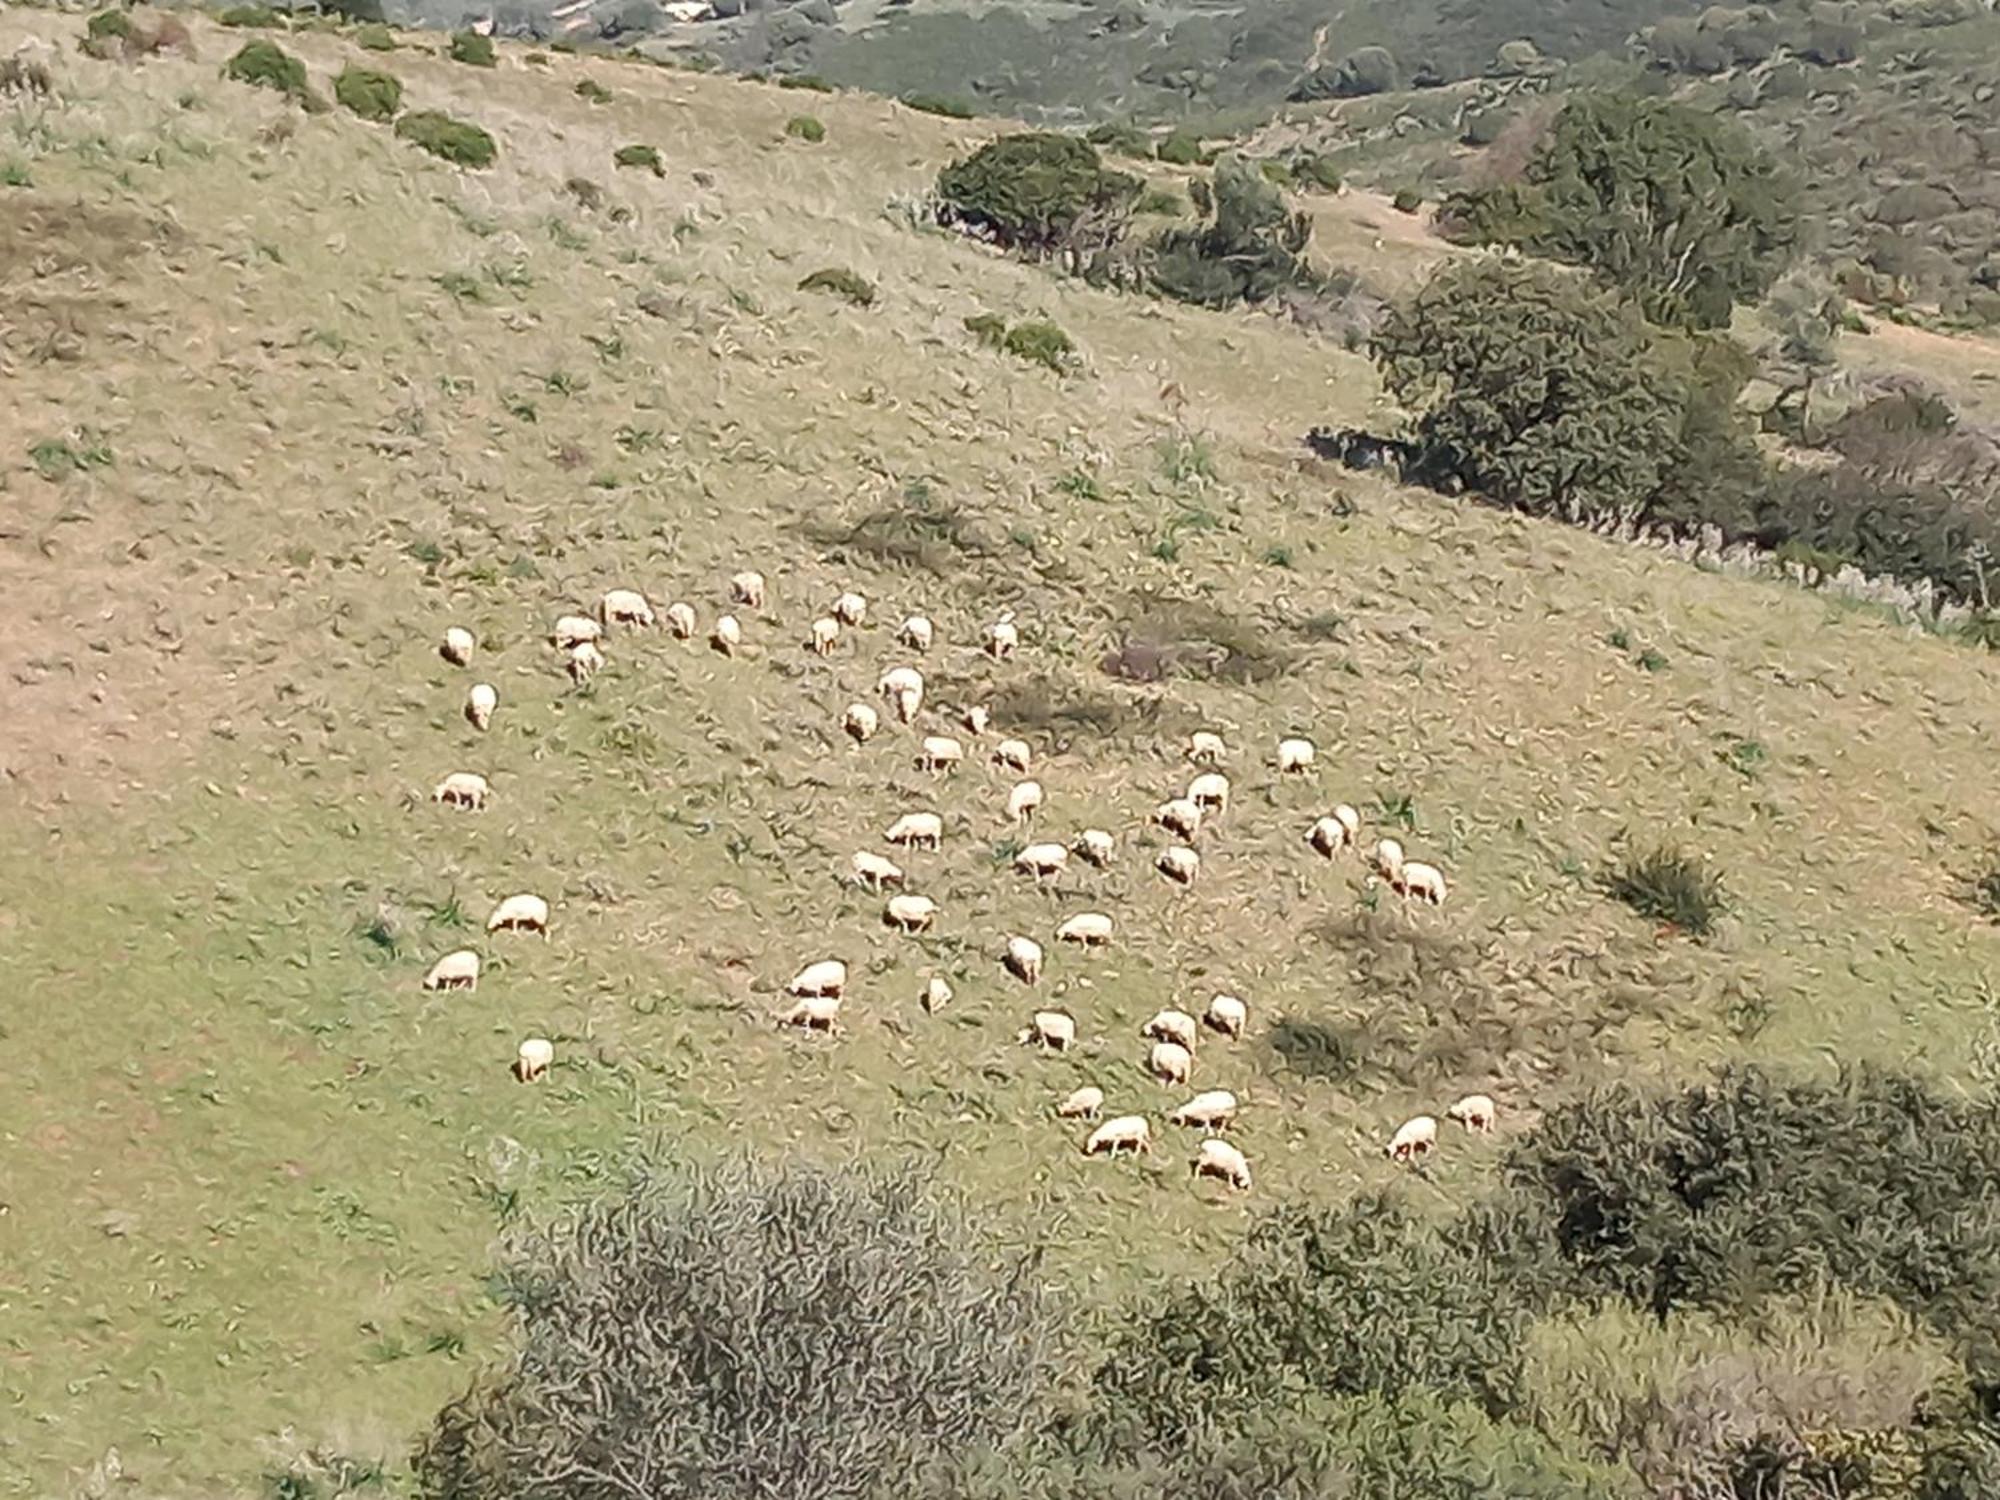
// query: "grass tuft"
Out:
[1671,887]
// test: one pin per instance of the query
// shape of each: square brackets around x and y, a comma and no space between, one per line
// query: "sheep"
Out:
[874,872]
[747,589]
[480,701]
[625,607]
[1217,1158]
[904,688]
[814,1013]
[917,633]
[860,721]
[1041,860]
[1126,1133]
[726,636]
[1205,747]
[1179,864]
[850,609]
[532,1058]
[463,789]
[910,913]
[1178,815]
[825,636]
[1409,877]
[1210,792]
[1170,1062]
[1024,959]
[1388,858]
[824,979]
[1095,845]
[1227,1014]
[520,914]
[1171,1026]
[1012,754]
[681,621]
[1023,800]
[1295,756]
[1084,1104]
[455,971]
[939,752]
[571,631]
[917,830]
[1335,832]
[977,718]
[458,646]
[1414,1139]
[937,995]
[1210,1111]
[1052,1029]
[1002,638]
[1475,1112]
[585,662]
[1090,929]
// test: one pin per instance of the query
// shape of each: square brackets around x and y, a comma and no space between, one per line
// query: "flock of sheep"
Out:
[818,990]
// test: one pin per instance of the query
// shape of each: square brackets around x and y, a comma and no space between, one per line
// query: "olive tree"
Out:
[1040,194]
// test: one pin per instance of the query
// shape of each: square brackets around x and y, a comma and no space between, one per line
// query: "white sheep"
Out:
[937,995]
[455,971]
[1227,1014]
[860,721]
[824,978]
[1042,860]
[917,830]
[1210,792]
[1023,800]
[458,646]
[1095,845]
[904,688]
[939,752]
[480,701]
[1205,747]
[680,620]
[747,589]
[1090,929]
[1013,754]
[1002,639]
[1331,834]
[533,1057]
[1179,864]
[977,718]
[1052,1029]
[1413,1139]
[825,636]
[1409,877]
[1126,1133]
[464,789]
[910,913]
[1170,1062]
[726,636]
[571,631]
[874,872]
[585,662]
[1217,1158]
[1213,1110]
[814,1012]
[1024,959]
[1388,858]
[520,914]
[625,607]
[1171,1026]
[917,633]
[1295,756]
[1475,1112]
[1084,1104]
[850,609]
[1179,815]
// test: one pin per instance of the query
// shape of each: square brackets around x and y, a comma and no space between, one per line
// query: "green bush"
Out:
[591,90]
[805,128]
[368,93]
[1669,886]
[940,104]
[457,141]
[471,48]
[1125,140]
[267,65]
[841,282]
[1407,200]
[1038,193]
[640,156]
[251,16]
[1160,201]
[1043,343]
[805,81]
[1986,889]
[108,25]
[375,38]
[988,328]
[1180,148]
[1317,171]
[1248,252]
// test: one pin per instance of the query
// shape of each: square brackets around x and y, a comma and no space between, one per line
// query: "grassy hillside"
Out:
[288,397]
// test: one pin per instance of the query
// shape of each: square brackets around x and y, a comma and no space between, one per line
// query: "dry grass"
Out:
[352,395]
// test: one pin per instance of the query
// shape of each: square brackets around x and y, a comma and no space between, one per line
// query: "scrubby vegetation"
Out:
[805,128]
[251,16]
[1041,195]
[592,92]
[1671,887]
[471,48]
[457,141]
[267,65]
[368,93]
[841,282]
[640,155]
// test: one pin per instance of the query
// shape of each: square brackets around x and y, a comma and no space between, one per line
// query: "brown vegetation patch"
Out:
[1165,638]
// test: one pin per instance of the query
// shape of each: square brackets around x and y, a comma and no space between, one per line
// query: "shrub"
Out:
[1180,148]
[108,25]
[1669,887]
[58,458]
[369,94]
[267,65]
[736,1333]
[1038,193]
[471,48]
[1317,171]
[807,81]
[591,90]
[1248,252]
[1160,201]
[841,282]
[940,104]
[457,141]
[1407,200]
[805,128]
[1985,890]
[1043,343]
[375,38]
[251,16]
[988,328]
[1125,140]
[640,156]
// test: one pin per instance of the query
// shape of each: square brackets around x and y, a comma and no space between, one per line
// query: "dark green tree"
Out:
[1247,252]
[1040,194]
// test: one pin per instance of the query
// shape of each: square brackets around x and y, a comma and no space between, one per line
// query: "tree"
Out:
[1680,208]
[1248,252]
[734,1336]
[1039,193]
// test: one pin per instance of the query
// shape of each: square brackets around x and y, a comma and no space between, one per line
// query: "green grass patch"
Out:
[591,90]
[375,37]
[252,17]
[644,156]
[368,93]
[806,128]
[841,282]
[948,105]
[472,49]
[57,458]
[265,65]
[456,141]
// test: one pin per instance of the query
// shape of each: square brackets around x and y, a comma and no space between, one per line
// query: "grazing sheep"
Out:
[1414,1139]
[458,646]
[455,971]
[1052,1029]
[585,662]
[939,752]
[875,872]
[726,636]
[860,721]
[1180,864]
[520,914]
[1170,1062]
[1409,878]
[917,633]
[1023,800]
[1095,845]
[825,636]
[1179,815]
[904,688]
[977,718]
[824,979]
[571,631]
[1013,754]
[910,913]
[1024,959]
[1084,1104]
[1040,860]
[532,1058]
[747,589]
[625,607]
[814,1012]
[1217,1158]
[1126,1133]
[1327,837]
[1002,639]
[1295,756]
[1205,747]
[680,620]
[1171,1026]
[850,609]
[1210,792]
[1348,819]
[1210,1111]
[917,830]
[1227,1014]
[937,995]
[465,789]
[1475,1112]
[1092,929]
[1388,858]
[480,701]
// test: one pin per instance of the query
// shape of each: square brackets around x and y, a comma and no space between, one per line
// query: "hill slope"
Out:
[318,396]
